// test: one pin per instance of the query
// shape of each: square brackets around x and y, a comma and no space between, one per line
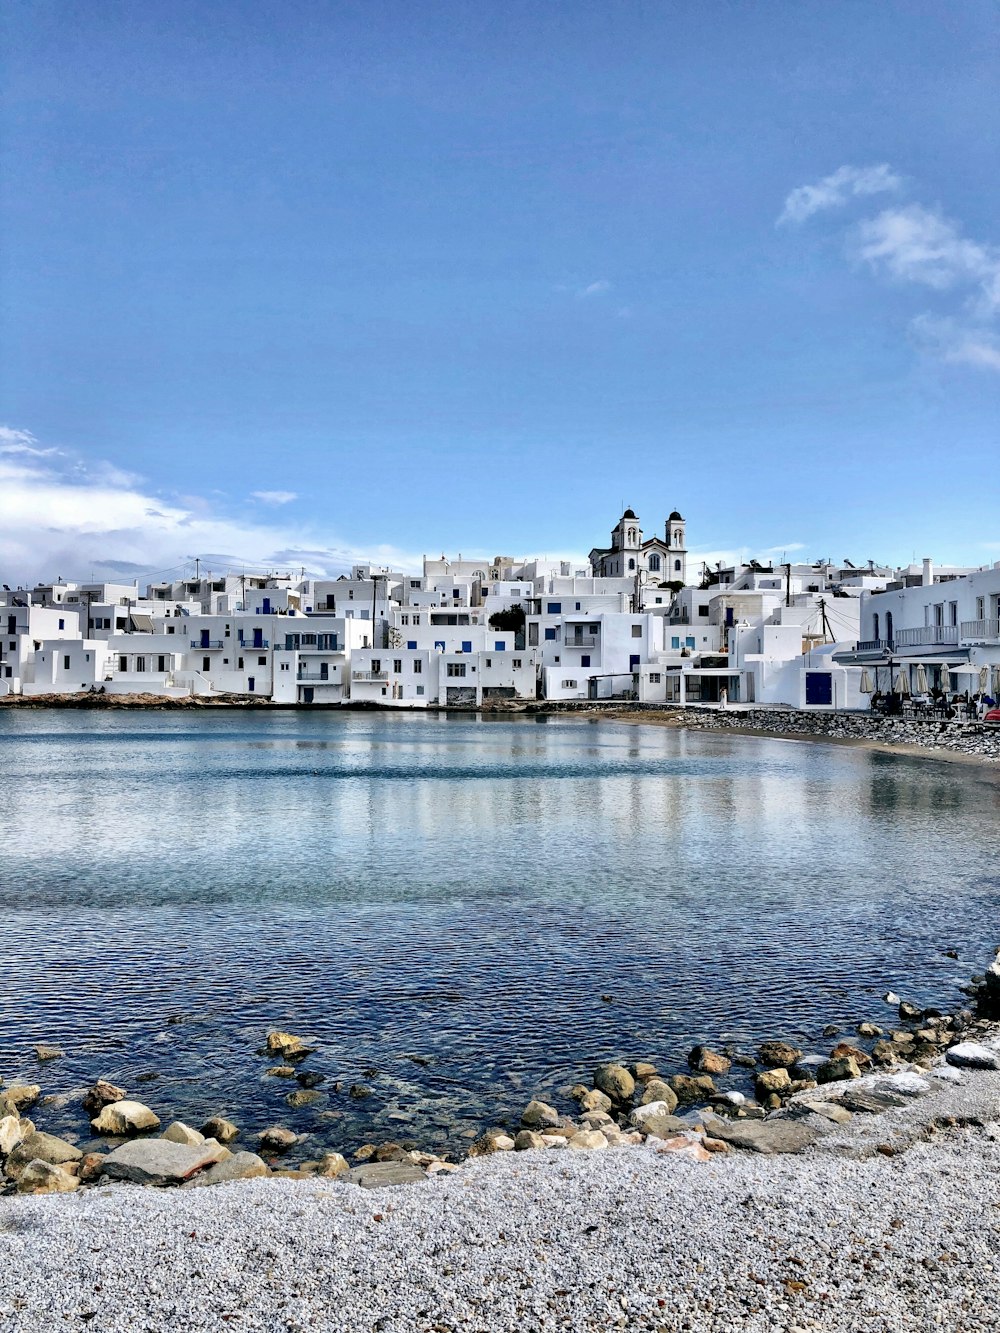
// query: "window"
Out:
[418,667]
[416,620]
[489,661]
[123,664]
[631,564]
[170,628]
[550,634]
[517,664]
[206,663]
[239,664]
[420,689]
[466,645]
[404,620]
[677,566]
[66,663]
[411,643]
[636,631]
[654,678]
[397,665]
[585,659]
[689,641]
[376,664]
[161,663]
[140,663]
[499,645]
[414,583]
[456,668]
[350,595]
[284,666]
[62,624]
[262,661]
[569,684]
[554,608]
[654,564]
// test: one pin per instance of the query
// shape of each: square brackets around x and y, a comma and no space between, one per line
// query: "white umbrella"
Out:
[866,686]
[921,680]
[996,682]
[901,686]
[984,677]
[945,677]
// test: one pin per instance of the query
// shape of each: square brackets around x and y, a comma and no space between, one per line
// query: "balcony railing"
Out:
[369,675]
[911,638]
[251,645]
[581,641]
[872,646]
[207,643]
[318,677]
[982,631]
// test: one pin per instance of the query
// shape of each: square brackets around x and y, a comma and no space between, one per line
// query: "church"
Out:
[658,560]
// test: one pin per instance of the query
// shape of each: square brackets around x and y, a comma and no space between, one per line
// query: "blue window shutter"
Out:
[675,642]
[466,645]
[689,641]
[585,660]
[499,646]
[555,608]
[550,634]
[411,643]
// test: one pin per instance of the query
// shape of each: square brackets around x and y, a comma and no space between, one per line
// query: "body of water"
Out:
[458,912]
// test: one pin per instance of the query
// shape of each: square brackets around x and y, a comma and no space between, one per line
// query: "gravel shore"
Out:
[887,1224]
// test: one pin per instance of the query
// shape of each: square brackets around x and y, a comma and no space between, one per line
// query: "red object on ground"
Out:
[992,716]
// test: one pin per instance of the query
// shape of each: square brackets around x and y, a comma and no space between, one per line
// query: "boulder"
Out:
[303,1097]
[95,1099]
[332,1164]
[48,1052]
[284,1043]
[19,1096]
[375,1175]
[642,1070]
[40,1177]
[39,1147]
[217,1127]
[861,1058]
[833,1111]
[615,1082]
[971,1055]
[765,1136]
[539,1115]
[884,1053]
[656,1090]
[528,1139]
[689,1088]
[778,1054]
[586,1139]
[776,1080]
[833,1071]
[661,1125]
[178,1132]
[708,1062]
[868,1030]
[281,1071]
[13,1130]
[125,1117]
[595,1100]
[239,1166]
[277,1139]
[310,1078]
[160,1161]
[872,1101]
[494,1140]
[909,1013]
[90,1165]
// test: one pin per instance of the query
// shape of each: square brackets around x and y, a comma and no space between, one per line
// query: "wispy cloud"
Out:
[274,497]
[835,190]
[594,289]
[62,512]
[914,244]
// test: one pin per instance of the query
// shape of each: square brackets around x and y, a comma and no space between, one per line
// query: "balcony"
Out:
[317,678]
[926,634]
[581,641]
[369,675]
[981,631]
[206,644]
[252,646]
[872,646]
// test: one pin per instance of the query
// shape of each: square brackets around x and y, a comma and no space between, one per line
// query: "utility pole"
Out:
[197,567]
[788,583]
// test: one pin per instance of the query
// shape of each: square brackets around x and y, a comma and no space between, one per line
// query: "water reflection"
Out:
[463,891]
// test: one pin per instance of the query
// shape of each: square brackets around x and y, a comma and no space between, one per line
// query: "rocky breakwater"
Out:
[973,739]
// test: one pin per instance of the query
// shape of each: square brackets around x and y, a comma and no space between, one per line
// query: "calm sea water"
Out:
[457,912]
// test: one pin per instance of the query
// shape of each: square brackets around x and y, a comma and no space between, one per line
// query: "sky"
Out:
[304,283]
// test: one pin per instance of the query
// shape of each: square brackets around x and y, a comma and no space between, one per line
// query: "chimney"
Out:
[928,577]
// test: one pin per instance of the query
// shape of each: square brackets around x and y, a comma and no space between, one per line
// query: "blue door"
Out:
[819,688]
[258,638]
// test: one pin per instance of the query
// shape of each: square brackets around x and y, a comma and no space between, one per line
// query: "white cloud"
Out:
[916,245]
[835,190]
[274,497]
[594,289]
[958,342]
[62,513]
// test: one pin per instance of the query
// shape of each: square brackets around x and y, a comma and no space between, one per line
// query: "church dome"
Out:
[675,516]
[630,513]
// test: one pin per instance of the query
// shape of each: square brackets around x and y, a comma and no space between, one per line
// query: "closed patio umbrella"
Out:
[902,685]
[945,677]
[866,686]
[921,680]
[996,682]
[984,677]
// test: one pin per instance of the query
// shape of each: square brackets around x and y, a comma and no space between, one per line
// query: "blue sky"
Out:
[304,282]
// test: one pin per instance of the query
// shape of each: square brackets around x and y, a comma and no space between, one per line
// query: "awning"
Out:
[140,623]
